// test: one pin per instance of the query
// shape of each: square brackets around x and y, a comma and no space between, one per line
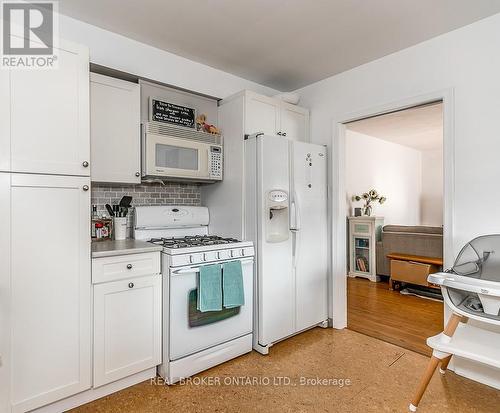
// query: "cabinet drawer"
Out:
[125,266]
[412,272]
[361,228]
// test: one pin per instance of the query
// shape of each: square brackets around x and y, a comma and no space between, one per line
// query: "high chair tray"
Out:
[474,285]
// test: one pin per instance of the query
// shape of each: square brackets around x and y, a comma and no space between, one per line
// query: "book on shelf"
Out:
[362,264]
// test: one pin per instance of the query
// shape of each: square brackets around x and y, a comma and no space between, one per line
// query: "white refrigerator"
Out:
[286,217]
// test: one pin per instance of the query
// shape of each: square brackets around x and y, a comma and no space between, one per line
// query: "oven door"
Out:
[191,330]
[175,157]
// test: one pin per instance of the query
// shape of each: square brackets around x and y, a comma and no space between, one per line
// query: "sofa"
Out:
[412,240]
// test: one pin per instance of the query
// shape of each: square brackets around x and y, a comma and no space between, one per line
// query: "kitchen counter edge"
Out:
[112,248]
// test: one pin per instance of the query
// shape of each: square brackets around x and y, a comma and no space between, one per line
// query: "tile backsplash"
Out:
[144,194]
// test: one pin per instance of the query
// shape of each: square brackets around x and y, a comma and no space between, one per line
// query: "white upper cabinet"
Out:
[262,115]
[48,268]
[49,116]
[4,120]
[275,117]
[115,130]
[294,122]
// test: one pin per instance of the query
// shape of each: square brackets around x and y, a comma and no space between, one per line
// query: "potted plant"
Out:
[371,196]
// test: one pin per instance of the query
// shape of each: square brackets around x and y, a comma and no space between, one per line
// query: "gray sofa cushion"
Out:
[413,229]
[413,240]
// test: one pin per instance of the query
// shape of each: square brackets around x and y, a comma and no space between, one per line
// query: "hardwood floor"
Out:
[406,321]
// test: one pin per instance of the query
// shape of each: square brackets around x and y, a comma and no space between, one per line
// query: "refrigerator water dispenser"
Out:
[277,229]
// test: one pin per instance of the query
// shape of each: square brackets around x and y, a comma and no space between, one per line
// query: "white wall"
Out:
[119,52]
[393,170]
[431,199]
[466,60]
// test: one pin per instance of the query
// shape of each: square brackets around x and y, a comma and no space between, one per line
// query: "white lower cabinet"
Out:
[45,289]
[127,327]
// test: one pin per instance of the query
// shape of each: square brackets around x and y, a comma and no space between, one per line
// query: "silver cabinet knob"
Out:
[130,285]
[129,266]
[278,133]
[85,187]
[85,164]
[284,133]
[138,174]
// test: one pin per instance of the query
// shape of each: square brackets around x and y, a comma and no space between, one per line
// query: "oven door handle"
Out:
[197,269]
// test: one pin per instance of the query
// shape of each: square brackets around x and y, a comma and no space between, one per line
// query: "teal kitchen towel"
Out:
[232,284]
[210,289]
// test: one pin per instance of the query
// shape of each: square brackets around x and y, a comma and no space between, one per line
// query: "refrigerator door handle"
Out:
[295,240]
[296,213]
[293,216]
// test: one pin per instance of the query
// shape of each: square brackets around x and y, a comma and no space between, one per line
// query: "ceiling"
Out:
[419,128]
[284,44]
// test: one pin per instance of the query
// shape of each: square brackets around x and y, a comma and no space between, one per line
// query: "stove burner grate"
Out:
[192,241]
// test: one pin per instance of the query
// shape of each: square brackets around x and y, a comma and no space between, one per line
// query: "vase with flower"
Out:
[368,197]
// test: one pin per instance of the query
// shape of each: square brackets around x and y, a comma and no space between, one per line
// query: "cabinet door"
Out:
[127,327]
[295,122]
[5,288]
[50,288]
[261,115]
[49,116]
[5,120]
[114,130]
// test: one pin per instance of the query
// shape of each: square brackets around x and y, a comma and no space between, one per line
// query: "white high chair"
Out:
[472,290]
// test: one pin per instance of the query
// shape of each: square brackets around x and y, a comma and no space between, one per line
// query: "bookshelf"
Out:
[364,232]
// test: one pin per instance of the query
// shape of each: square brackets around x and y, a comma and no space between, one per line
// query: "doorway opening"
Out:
[394,197]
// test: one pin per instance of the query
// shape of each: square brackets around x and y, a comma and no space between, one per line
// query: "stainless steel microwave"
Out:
[180,154]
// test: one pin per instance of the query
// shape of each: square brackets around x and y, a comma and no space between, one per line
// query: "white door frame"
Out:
[338,293]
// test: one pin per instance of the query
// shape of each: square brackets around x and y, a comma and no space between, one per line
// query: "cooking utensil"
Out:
[110,210]
[126,201]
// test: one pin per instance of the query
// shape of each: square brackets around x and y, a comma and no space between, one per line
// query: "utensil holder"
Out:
[120,228]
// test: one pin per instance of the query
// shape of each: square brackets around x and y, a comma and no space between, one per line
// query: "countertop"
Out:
[128,246]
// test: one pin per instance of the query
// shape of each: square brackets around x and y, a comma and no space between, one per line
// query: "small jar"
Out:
[99,230]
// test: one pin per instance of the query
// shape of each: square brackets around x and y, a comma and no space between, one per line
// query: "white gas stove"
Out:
[199,249]
[194,341]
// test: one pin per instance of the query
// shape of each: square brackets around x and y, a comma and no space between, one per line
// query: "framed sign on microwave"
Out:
[166,112]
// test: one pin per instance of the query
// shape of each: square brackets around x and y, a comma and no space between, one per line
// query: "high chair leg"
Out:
[444,365]
[424,382]
[449,330]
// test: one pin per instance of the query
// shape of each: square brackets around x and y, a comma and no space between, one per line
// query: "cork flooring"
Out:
[381,378]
